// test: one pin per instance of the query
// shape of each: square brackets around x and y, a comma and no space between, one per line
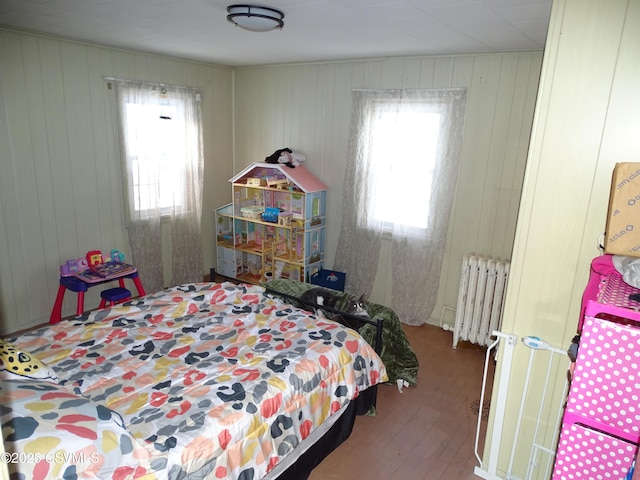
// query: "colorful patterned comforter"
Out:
[206,381]
[397,354]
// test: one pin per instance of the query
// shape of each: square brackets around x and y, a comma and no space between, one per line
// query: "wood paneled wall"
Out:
[587,120]
[60,182]
[308,108]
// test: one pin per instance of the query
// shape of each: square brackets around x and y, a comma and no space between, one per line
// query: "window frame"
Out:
[444,102]
[182,107]
[134,183]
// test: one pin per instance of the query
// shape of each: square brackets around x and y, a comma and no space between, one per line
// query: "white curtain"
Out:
[162,153]
[418,210]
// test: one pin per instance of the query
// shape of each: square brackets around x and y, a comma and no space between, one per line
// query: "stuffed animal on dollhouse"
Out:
[287,157]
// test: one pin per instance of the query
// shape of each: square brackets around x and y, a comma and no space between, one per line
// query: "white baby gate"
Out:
[541,457]
[481,294]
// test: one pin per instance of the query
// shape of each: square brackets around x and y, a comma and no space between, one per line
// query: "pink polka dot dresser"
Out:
[600,429]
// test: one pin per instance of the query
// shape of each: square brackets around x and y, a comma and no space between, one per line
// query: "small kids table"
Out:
[80,282]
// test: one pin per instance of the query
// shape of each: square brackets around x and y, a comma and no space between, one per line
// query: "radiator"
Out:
[480,298]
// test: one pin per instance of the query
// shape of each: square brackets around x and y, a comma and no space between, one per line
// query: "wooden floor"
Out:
[428,431]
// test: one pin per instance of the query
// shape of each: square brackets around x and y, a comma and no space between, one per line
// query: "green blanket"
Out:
[397,354]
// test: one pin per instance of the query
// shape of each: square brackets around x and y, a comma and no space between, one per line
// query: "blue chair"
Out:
[113,296]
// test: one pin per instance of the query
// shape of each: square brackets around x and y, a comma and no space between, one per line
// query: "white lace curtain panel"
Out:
[417,252]
[143,145]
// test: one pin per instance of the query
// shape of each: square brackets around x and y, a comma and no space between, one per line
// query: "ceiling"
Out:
[314,30]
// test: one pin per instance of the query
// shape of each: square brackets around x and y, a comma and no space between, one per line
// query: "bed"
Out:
[201,381]
[392,343]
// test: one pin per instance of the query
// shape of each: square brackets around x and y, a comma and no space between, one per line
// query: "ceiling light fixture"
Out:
[255,18]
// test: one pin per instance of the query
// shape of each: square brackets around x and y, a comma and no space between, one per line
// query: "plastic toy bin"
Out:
[329,279]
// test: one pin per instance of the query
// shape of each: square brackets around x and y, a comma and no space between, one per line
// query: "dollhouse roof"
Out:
[299,176]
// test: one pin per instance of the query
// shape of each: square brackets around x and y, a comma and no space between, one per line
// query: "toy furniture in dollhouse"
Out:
[600,430]
[274,227]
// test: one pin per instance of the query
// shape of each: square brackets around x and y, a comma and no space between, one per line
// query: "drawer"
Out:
[606,384]
[590,455]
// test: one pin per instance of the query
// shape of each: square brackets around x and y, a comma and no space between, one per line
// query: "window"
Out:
[402,142]
[402,165]
[161,141]
[155,158]
[402,150]
[162,156]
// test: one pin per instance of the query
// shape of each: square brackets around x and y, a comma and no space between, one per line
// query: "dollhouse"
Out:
[275,225]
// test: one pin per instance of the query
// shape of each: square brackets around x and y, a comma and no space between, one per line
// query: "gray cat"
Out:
[322,297]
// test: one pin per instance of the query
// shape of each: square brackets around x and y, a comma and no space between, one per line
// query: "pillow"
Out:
[16,363]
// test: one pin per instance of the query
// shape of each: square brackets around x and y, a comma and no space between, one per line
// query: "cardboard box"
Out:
[622,233]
